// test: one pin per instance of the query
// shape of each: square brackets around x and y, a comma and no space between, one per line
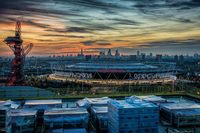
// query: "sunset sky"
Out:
[61,26]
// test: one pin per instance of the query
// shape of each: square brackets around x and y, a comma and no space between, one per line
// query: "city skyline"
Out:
[59,26]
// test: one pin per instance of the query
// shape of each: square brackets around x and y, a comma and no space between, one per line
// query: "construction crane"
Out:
[16,45]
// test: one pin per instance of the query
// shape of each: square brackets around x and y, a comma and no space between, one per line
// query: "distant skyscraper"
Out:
[159,57]
[181,58]
[81,54]
[196,55]
[143,56]
[101,54]
[138,53]
[109,52]
[81,51]
[133,57]
[117,53]
[88,57]
[176,58]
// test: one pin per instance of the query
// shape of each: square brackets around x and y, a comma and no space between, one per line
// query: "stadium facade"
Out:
[116,71]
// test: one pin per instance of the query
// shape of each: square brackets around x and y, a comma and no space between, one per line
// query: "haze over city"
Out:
[60,26]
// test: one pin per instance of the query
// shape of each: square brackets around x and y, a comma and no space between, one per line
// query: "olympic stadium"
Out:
[115,72]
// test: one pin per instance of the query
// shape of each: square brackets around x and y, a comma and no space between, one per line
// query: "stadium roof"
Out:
[112,66]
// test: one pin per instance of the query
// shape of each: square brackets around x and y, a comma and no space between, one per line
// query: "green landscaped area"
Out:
[75,92]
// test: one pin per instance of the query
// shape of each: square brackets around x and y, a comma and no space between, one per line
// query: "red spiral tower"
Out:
[16,45]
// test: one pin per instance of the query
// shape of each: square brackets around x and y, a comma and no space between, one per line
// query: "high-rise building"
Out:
[81,51]
[143,55]
[81,54]
[159,57]
[181,58]
[196,55]
[138,53]
[109,52]
[88,57]
[176,58]
[117,53]
[133,57]
[101,53]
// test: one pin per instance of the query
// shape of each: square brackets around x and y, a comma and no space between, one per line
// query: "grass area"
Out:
[112,95]
[122,91]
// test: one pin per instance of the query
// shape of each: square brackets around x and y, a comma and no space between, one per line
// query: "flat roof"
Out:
[99,109]
[176,106]
[128,104]
[102,100]
[65,111]
[43,102]
[111,66]
[188,112]
[151,98]
[9,104]
[23,112]
[2,102]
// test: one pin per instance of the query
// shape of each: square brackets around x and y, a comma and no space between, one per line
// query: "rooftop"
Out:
[43,102]
[100,109]
[23,112]
[176,106]
[65,111]
[111,66]
[128,104]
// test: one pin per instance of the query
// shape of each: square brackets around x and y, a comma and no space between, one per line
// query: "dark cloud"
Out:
[29,8]
[96,42]
[40,25]
[191,3]
[93,26]
[167,9]
[45,40]
[183,20]
[121,40]
[58,35]
[125,21]
[72,36]
[70,30]
[88,43]
[103,43]
[25,21]
[173,43]
[79,8]
[166,3]
[94,4]
[54,35]
[11,4]
[78,29]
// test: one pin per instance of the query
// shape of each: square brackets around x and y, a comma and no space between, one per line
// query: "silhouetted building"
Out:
[143,55]
[181,58]
[133,57]
[159,57]
[88,57]
[117,53]
[196,55]
[176,58]
[138,53]
[101,54]
[109,52]
[81,54]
